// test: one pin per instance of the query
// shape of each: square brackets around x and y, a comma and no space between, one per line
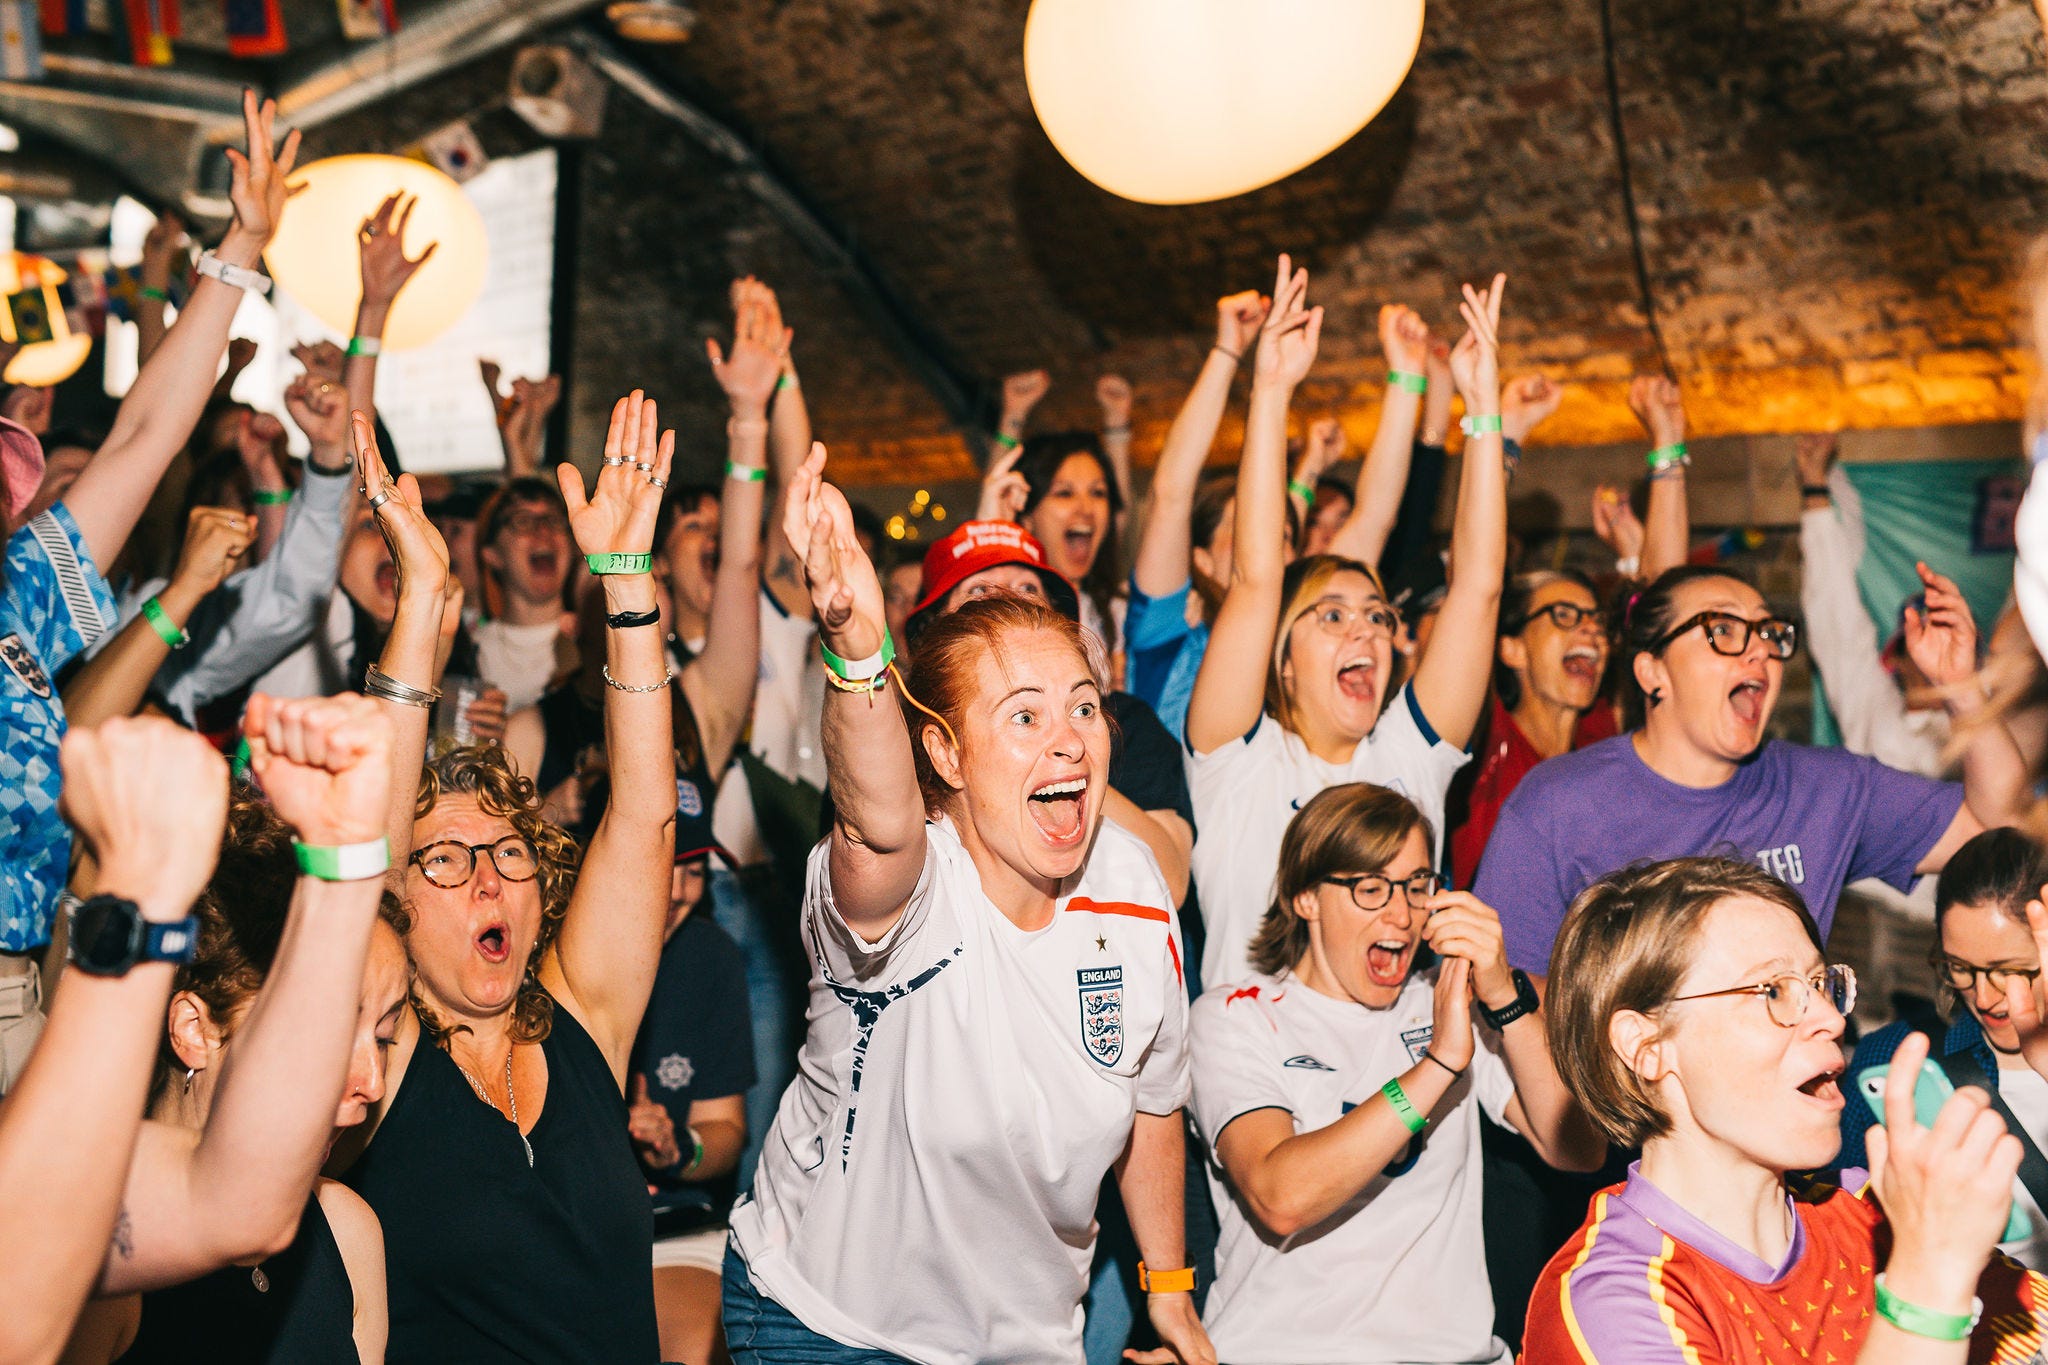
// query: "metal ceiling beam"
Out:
[913,339]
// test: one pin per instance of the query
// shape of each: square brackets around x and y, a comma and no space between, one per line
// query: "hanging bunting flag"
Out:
[455,152]
[21,45]
[151,25]
[28,313]
[63,16]
[255,28]
[368,18]
[121,286]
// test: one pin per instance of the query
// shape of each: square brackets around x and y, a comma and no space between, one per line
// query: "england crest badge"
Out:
[22,662]
[1102,1013]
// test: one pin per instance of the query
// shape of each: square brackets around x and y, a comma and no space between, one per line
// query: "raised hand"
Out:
[1460,925]
[1475,360]
[1288,338]
[1945,1190]
[322,359]
[319,408]
[30,406]
[1941,634]
[1238,319]
[1404,338]
[419,557]
[1451,1011]
[1113,396]
[381,247]
[1660,407]
[1003,490]
[1325,446]
[1525,403]
[216,538]
[749,374]
[1616,523]
[325,764]
[1021,393]
[651,1127]
[1812,454]
[618,515]
[160,248]
[258,187]
[257,437]
[845,592]
[150,799]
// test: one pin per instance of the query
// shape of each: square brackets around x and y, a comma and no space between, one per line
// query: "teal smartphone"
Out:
[1930,1092]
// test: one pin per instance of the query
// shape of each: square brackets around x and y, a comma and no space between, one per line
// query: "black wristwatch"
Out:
[109,936]
[1526,1001]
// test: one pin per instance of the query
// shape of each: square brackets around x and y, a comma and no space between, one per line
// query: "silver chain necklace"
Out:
[511,1099]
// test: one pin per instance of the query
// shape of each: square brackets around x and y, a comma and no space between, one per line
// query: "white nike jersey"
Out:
[928,1187]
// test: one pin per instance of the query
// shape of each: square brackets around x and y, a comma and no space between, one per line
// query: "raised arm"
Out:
[1404,336]
[789,442]
[1113,396]
[1941,637]
[1230,688]
[1660,407]
[115,681]
[1164,539]
[878,839]
[1451,681]
[384,269]
[163,405]
[259,440]
[1323,446]
[1021,393]
[403,683]
[159,250]
[68,1128]
[235,1190]
[610,942]
[720,681]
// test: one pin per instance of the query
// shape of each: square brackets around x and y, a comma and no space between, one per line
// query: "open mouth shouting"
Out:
[1747,699]
[544,563]
[1822,1087]
[1059,810]
[1387,959]
[494,943]
[1358,679]
[1582,665]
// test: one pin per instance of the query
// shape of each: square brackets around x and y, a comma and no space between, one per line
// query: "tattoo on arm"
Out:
[124,1236]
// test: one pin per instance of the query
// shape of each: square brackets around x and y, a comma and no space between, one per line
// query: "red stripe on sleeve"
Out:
[1088,907]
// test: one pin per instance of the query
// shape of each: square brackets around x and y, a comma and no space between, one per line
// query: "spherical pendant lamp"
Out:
[1185,101]
[314,256]
[30,285]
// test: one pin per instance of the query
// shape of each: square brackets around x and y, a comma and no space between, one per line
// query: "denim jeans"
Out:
[760,1331]
[775,994]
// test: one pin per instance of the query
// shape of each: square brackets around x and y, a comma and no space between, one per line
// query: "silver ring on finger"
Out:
[658,483]
[613,461]
[383,496]
[643,466]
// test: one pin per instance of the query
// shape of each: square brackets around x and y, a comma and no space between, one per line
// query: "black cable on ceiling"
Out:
[1628,193]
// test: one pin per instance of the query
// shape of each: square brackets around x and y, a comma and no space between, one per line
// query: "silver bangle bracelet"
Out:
[668,676]
[381,685]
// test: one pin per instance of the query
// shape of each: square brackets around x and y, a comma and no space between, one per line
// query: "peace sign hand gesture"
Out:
[258,188]
[1475,360]
[1287,340]
[618,515]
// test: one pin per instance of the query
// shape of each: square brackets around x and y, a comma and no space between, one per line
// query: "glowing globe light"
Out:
[1185,101]
[314,255]
[43,364]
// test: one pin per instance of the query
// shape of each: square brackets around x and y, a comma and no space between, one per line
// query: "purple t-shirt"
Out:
[1816,818]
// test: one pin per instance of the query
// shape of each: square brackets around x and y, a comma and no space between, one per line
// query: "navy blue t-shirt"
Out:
[696,1043]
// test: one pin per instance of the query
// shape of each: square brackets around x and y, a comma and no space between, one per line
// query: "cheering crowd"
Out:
[589,917]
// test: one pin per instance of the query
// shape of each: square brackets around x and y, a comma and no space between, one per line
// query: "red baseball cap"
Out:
[21,465]
[979,545]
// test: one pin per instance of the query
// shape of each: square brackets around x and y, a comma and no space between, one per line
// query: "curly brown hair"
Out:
[484,772]
[242,914]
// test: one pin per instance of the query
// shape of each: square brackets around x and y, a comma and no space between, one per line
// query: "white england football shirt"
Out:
[928,1186]
[1247,790]
[1399,1273]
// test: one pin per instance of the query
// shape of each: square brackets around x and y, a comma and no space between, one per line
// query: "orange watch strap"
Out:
[1180,1281]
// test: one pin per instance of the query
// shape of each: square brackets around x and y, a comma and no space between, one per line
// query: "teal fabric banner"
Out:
[1956,516]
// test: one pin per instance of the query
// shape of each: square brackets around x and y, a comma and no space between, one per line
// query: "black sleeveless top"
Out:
[573,726]
[303,1313]
[490,1260]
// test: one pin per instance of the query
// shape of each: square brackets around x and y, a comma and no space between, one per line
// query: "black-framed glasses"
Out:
[1962,976]
[1729,634]
[450,863]
[1788,997]
[1567,615]
[1370,890]
[1341,618]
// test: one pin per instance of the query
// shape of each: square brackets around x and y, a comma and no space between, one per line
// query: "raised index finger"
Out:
[1899,1082]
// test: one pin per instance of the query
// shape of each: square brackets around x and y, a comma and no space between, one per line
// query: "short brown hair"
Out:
[1626,944]
[946,666]
[484,772]
[1354,827]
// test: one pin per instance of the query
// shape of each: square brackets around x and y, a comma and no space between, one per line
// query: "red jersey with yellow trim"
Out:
[1646,1283]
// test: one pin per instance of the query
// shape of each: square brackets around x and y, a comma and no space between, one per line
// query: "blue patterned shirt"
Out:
[53,604]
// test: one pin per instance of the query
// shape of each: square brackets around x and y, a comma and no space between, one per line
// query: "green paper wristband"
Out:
[619,563]
[166,629]
[150,292]
[1663,457]
[860,670]
[1408,381]
[272,497]
[1301,490]
[1925,1322]
[366,346]
[745,473]
[1007,441]
[344,862]
[1480,424]
[1398,1097]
